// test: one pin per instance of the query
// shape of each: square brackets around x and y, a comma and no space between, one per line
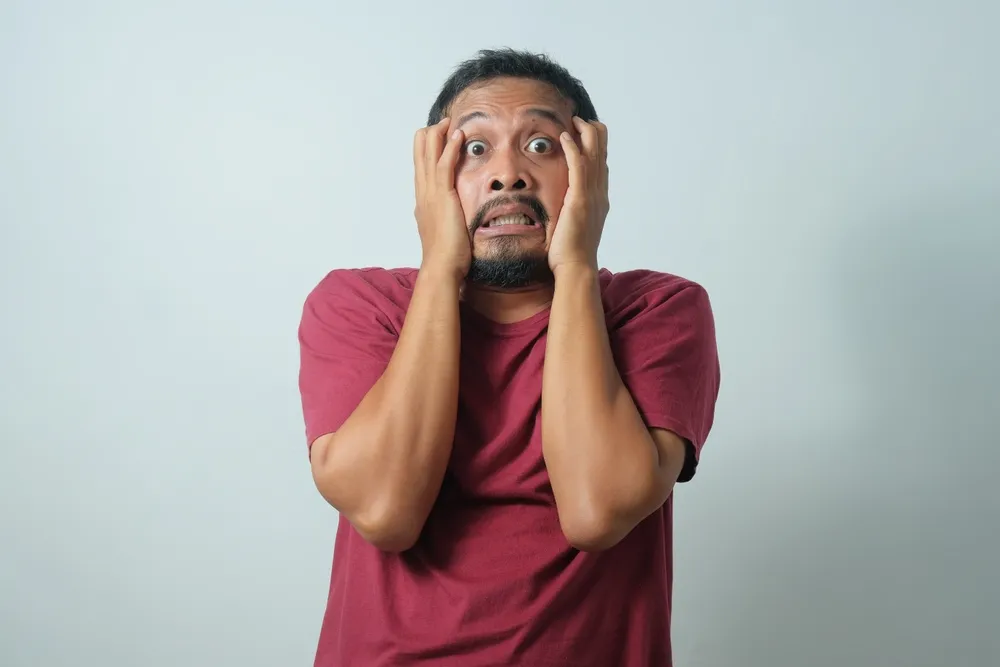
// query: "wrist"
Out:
[576,270]
[443,274]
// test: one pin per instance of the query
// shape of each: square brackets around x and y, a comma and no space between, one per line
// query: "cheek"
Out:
[467,189]
[554,196]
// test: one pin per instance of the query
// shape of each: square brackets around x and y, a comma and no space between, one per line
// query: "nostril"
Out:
[496,185]
[520,185]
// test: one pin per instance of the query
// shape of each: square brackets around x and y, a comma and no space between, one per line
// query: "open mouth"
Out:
[517,219]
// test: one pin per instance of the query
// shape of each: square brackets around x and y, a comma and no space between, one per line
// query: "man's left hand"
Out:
[578,230]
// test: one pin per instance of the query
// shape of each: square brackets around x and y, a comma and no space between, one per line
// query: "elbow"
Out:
[596,526]
[387,525]
[591,541]
[381,518]
[591,531]
[390,534]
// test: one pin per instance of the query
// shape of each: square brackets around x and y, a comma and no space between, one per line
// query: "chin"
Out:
[510,271]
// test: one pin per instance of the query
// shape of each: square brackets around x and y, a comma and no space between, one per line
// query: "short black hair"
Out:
[495,63]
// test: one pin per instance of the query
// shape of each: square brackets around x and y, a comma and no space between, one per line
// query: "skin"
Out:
[517,124]
[383,469]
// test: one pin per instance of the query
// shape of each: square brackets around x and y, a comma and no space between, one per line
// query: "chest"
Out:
[497,452]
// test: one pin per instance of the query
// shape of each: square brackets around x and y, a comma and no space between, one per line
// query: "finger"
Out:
[419,141]
[574,161]
[450,156]
[602,138]
[602,142]
[435,144]
[588,138]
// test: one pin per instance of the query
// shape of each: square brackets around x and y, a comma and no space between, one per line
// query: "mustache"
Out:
[541,215]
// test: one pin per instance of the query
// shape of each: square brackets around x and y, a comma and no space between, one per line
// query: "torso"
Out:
[492,580]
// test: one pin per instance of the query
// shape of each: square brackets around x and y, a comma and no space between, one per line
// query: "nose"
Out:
[508,172]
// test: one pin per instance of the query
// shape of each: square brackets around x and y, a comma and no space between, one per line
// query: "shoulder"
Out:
[378,286]
[360,298]
[629,294]
[374,279]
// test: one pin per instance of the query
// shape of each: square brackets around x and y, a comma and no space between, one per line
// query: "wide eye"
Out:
[475,148]
[540,145]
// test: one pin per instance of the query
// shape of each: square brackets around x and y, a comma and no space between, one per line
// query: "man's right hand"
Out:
[444,234]
[383,467]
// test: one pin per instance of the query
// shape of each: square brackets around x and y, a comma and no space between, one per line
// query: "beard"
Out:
[512,270]
[509,266]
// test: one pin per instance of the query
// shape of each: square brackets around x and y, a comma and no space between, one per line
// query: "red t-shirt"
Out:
[492,580]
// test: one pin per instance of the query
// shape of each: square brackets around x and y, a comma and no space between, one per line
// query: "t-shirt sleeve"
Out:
[666,353]
[345,343]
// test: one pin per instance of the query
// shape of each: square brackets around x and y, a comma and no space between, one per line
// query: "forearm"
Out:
[383,469]
[601,459]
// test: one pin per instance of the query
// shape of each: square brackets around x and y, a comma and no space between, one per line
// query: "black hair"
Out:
[495,63]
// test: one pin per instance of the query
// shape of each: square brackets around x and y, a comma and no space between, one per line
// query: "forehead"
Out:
[509,97]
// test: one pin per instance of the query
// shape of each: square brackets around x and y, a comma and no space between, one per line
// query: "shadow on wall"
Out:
[899,566]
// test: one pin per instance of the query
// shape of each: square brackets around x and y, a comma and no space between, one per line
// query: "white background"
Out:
[175,177]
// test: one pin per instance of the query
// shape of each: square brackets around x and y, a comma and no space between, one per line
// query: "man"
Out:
[500,429]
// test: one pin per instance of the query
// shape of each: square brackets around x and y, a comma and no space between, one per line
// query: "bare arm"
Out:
[608,471]
[382,469]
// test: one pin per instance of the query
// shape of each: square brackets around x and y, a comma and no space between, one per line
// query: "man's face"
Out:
[512,177]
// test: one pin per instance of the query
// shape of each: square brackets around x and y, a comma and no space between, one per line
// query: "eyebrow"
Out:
[539,112]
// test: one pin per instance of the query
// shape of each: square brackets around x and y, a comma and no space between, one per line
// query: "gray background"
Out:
[175,177]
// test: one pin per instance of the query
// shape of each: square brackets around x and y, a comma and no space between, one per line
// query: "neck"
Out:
[508,305]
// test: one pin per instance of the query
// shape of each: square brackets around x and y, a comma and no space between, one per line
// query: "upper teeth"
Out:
[516,219]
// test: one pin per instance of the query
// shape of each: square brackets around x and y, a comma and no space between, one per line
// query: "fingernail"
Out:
[456,134]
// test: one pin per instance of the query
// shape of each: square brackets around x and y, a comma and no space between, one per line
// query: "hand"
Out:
[444,234]
[578,230]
